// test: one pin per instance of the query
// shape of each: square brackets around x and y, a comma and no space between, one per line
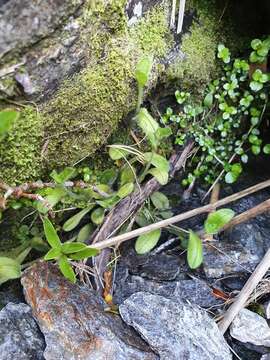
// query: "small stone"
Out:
[249,327]
[73,320]
[174,331]
[20,337]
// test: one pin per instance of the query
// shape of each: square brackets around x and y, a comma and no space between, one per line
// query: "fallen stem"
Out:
[191,213]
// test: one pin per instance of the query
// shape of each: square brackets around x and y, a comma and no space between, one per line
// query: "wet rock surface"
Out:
[20,337]
[174,331]
[74,322]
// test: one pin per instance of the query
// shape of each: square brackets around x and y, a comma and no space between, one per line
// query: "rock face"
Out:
[20,337]
[174,331]
[74,323]
[249,327]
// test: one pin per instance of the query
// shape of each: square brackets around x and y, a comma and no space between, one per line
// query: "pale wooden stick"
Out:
[172,23]
[181,16]
[164,223]
[244,294]
[249,214]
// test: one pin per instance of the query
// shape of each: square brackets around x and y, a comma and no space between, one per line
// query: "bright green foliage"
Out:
[216,220]
[194,251]
[147,242]
[74,221]
[225,124]
[9,269]
[261,49]
[7,118]
[62,252]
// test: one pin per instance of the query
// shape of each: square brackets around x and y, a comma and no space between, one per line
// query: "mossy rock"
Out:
[88,107]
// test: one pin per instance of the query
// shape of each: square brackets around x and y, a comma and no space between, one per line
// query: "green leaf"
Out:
[72,247]
[143,70]
[145,121]
[85,233]
[84,254]
[255,86]
[7,118]
[66,269]
[161,175]
[52,199]
[108,177]
[97,216]
[51,234]
[256,43]
[109,202]
[65,175]
[125,190]
[141,219]
[52,254]
[163,133]
[244,158]
[216,220]
[127,175]
[117,154]
[255,149]
[9,269]
[231,177]
[266,149]
[208,100]
[147,242]
[194,251]
[160,201]
[23,255]
[157,160]
[74,221]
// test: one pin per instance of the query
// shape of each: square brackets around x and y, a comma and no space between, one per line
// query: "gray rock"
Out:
[20,337]
[249,327]
[265,357]
[191,290]
[24,22]
[174,331]
[74,323]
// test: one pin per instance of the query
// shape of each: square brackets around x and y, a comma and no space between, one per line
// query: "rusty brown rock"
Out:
[73,320]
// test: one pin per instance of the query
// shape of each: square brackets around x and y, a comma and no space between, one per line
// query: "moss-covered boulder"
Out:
[78,72]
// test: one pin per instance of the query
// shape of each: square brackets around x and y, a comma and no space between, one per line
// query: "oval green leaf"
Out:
[51,234]
[52,254]
[9,269]
[84,254]
[216,220]
[160,201]
[125,190]
[161,176]
[72,247]
[97,216]
[66,269]
[147,242]
[74,221]
[85,233]
[194,251]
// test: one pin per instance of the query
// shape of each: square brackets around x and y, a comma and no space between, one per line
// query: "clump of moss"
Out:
[88,108]
[199,45]
[20,150]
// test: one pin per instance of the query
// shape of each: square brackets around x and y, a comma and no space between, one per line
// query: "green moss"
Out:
[20,150]
[199,45]
[152,34]
[88,108]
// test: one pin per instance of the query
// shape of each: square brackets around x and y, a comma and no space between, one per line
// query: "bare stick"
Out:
[249,214]
[164,223]
[172,23]
[181,16]
[244,294]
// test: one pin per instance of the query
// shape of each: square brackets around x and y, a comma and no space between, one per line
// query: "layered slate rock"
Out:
[20,337]
[73,320]
[174,331]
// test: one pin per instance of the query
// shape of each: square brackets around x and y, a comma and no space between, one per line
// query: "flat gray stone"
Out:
[174,331]
[249,327]
[20,337]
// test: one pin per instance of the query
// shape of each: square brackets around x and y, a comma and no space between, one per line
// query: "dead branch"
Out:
[177,218]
